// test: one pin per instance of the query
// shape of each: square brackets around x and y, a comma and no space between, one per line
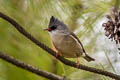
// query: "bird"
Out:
[65,41]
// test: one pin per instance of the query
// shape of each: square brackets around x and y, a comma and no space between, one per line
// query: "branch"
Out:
[50,51]
[116,5]
[30,68]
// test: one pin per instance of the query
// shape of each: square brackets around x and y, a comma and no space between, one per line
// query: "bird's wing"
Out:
[76,38]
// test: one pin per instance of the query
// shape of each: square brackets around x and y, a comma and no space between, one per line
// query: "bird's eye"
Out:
[53,27]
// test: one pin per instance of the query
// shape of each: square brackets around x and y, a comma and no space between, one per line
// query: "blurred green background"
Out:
[83,17]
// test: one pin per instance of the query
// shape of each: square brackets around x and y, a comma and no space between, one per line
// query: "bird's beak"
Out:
[47,29]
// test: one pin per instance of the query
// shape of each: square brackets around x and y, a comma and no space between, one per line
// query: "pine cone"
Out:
[112,26]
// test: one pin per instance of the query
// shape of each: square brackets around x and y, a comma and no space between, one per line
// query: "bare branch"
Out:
[30,68]
[50,51]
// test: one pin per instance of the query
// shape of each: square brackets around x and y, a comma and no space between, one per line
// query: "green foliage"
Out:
[81,16]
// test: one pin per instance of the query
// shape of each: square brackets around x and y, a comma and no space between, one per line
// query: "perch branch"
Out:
[28,67]
[50,51]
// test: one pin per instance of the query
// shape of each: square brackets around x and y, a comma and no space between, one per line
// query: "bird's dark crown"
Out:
[55,23]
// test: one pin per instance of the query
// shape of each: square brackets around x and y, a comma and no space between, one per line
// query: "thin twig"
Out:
[109,61]
[50,51]
[116,4]
[30,68]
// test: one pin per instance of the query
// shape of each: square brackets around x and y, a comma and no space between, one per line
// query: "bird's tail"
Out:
[88,58]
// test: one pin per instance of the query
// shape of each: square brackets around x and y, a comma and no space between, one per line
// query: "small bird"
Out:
[65,41]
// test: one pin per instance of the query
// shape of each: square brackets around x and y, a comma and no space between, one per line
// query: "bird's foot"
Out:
[58,54]
[77,62]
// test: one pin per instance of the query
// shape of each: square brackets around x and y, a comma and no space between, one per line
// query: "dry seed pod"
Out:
[104,24]
[108,16]
[112,26]
[107,33]
[116,37]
